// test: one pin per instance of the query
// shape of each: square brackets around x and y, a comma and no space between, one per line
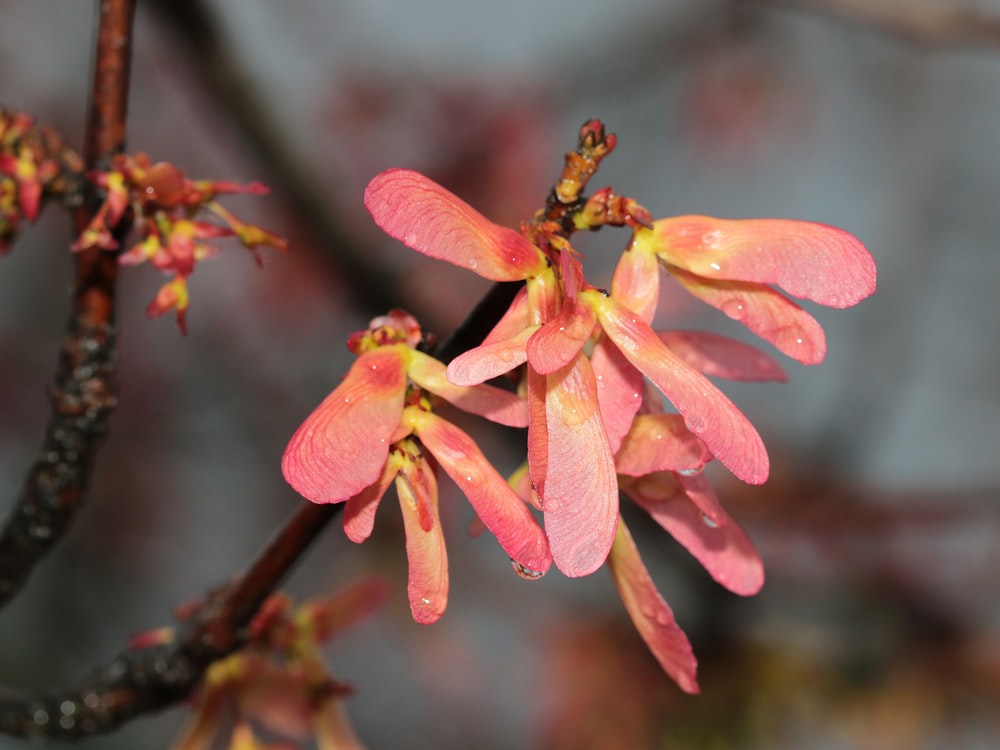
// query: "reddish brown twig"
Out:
[83,395]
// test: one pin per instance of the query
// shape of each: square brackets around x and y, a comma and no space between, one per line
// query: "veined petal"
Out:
[487,401]
[556,343]
[488,361]
[807,260]
[706,410]
[359,513]
[619,390]
[427,585]
[652,616]
[769,314]
[431,220]
[341,447]
[722,357]
[636,283]
[719,544]
[580,497]
[499,507]
[660,442]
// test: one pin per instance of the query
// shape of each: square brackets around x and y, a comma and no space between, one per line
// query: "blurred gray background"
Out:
[879,625]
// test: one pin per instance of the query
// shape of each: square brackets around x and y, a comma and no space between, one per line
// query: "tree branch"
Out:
[927,23]
[83,396]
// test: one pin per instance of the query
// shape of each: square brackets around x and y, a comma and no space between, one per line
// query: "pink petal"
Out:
[707,412]
[556,343]
[359,513]
[487,401]
[767,313]
[580,497]
[636,283]
[341,447]
[489,361]
[808,260]
[721,546]
[619,390]
[652,616]
[515,320]
[660,442]
[431,220]
[427,585]
[507,518]
[722,357]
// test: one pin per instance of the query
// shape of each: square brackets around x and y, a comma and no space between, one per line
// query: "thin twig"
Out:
[83,396]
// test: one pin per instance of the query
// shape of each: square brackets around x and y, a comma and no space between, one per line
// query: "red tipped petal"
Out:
[427,585]
[660,442]
[706,410]
[499,507]
[487,401]
[489,361]
[652,616]
[722,357]
[619,390]
[431,220]
[342,446]
[808,260]
[769,314]
[721,546]
[556,343]
[580,498]
[359,513]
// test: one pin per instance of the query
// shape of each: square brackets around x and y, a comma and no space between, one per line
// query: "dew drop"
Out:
[733,308]
[715,266]
[424,600]
[526,573]
[690,472]
[798,341]
[473,263]
[468,478]
[709,522]
[506,355]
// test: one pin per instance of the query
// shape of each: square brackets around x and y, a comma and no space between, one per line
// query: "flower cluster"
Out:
[166,207]
[594,374]
[34,165]
[278,682]
[378,427]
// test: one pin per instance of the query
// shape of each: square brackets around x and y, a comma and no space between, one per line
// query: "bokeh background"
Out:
[880,530]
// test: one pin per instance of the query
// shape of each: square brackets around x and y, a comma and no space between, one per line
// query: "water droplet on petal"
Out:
[734,309]
[468,478]
[715,266]
[709,522]
[425,600]
[526,573]
[473,263]
[693,472]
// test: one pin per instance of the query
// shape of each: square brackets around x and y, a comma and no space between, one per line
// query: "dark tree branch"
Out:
[83,396]
[145,680]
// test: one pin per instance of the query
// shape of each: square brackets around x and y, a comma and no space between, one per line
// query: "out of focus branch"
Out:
[373,288]
[933,24]
[83,395]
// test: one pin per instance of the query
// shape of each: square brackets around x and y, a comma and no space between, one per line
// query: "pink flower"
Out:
[374,429]
[569,447]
